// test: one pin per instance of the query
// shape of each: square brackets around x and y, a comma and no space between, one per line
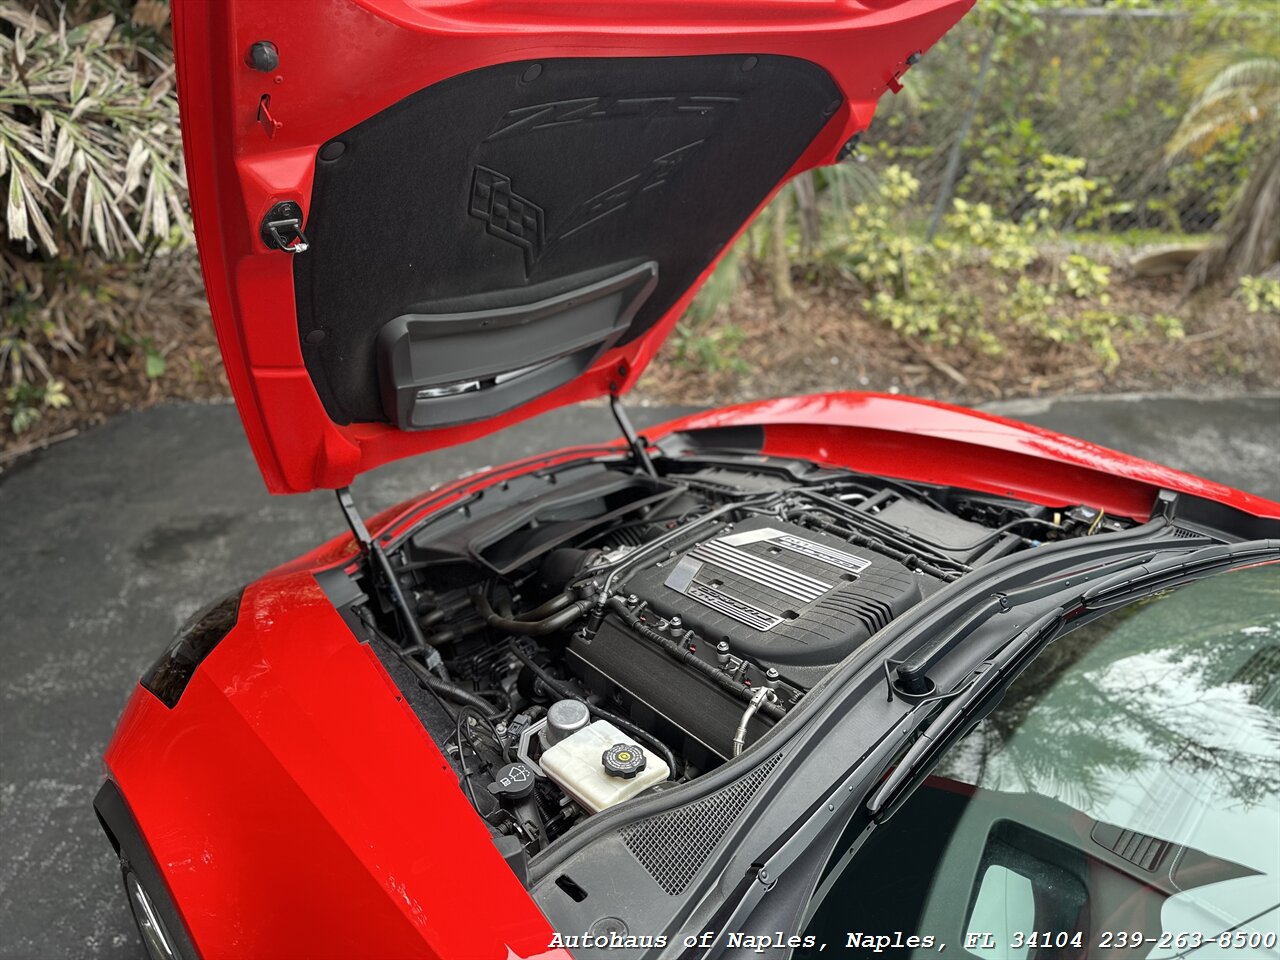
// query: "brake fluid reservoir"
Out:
[600,766]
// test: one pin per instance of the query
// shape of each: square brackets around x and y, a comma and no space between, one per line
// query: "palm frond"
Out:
[1235,87]
[1201,70]
[1259,75]
[1216,117]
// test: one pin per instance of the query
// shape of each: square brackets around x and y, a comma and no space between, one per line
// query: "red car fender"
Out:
[296,807]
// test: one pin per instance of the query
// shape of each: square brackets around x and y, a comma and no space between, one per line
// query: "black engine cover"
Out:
[781,595]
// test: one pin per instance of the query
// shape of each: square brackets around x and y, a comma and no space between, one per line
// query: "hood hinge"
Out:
[390,583]
[639,451]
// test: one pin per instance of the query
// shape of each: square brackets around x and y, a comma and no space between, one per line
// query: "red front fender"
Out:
[296,807]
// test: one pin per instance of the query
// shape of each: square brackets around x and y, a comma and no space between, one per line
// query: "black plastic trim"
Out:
[747,438]
[168,677]
[1216,519]
[122,830]
[443,368]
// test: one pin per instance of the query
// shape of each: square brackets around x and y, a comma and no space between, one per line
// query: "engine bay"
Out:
[580,635]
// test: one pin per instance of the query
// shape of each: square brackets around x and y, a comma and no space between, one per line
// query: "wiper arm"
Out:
[984,688]
[1052,569]
[966,703]
[1164,572]
[977,697]
[1112,566]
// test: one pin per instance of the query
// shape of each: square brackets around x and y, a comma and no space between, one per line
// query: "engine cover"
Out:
[780,594]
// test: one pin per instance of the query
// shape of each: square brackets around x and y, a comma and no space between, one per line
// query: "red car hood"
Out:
[420,223]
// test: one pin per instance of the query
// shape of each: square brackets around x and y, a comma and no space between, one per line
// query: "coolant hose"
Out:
[564,693]
[531,628]
[554,605]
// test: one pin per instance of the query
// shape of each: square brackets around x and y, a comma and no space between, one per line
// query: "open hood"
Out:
[422,222]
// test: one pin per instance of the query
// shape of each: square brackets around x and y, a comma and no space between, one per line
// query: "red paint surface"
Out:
[906,438]
[294,803]
[915,439]
[297,808]
[342,62]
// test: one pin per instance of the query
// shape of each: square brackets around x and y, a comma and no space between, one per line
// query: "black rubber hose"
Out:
[530,628]
[450,634]
[564,693]
[554,605]
[450,691]
[432,618]
[715,674]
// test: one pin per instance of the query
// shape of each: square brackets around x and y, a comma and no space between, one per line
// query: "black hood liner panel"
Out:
[500,186]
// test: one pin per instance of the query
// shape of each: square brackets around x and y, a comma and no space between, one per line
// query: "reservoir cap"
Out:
[515,780]
[564,719]
[623,760]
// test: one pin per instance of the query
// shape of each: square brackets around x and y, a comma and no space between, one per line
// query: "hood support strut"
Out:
[639,453]
[390,583]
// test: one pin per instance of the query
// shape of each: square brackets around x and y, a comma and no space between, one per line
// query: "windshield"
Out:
[1125,793]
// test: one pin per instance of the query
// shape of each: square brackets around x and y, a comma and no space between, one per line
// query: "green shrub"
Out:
[1008,245]
[714,350]
[907,279]
[1086,280]
[1009,147]
[1059,185]
[1259,294]
[696,342]
[930,290]
[88,140]
[27,401]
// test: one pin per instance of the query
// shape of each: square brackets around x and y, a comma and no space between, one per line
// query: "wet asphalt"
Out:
[113,538]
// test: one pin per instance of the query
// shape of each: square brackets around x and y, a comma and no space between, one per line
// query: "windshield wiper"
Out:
[1017,579]
[979,694]
[1165,572]
[975,698]
[1159,563]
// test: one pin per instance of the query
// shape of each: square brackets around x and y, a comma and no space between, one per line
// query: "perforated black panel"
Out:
[517,182]
[673,846]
